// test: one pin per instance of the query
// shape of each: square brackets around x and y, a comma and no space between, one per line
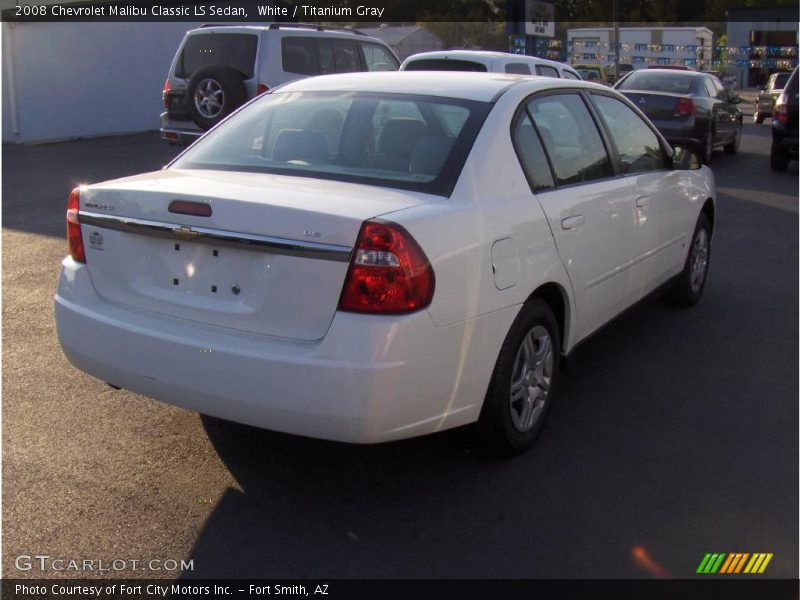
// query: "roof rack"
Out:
[314,27]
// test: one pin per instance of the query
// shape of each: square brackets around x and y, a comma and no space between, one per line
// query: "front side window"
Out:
[378,58]
[638,147]
[518,69]
[546,71]
[395,140]
[572,140]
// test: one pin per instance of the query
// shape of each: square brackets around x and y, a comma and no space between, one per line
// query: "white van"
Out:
[493,62]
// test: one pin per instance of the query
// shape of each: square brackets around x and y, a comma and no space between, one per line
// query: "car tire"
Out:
[213,93]
[732,147]
[528,367]
[691,282]
[758,117]
[706,149]
[778,159]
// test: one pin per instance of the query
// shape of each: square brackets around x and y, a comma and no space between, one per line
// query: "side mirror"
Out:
[685,159]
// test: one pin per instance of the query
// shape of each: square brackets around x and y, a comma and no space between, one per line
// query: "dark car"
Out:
[766,98]
[689,108]
[784,126]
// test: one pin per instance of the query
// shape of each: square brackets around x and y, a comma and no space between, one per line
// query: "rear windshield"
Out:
[234,50]
[675,83]
[445,64]
[395,140]
[780,81]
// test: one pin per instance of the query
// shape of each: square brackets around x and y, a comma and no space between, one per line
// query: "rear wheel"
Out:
[732,147]
[214,93]
[692,280]
[778,159]
[524,382]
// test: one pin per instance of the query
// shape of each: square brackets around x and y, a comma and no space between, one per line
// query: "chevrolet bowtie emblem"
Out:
[186,232]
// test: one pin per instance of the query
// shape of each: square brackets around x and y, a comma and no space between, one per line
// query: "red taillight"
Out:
[165,93]
[261,88]
[389,273]
[684,106]
[781,113]
[74,237]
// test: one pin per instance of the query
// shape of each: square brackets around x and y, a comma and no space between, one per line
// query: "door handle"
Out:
[642,201]
[572,221]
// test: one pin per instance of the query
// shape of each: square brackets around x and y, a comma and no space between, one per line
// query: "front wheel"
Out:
[692,280]
[524,382]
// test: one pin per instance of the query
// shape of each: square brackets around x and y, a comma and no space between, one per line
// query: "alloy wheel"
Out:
[531,377]
[209,98]
[699,261]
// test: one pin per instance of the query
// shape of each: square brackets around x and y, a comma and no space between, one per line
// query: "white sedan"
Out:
[375,256]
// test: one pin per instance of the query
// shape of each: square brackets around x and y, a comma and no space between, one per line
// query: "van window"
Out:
[445,64]
[518,68]
[234,50]
[345,55]
[546,71]
[300,55]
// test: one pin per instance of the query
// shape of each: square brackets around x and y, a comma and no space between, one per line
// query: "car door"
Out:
[725,112]
[662,211]
[590,212]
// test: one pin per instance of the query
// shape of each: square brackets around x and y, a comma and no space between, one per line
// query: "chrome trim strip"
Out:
[206,235]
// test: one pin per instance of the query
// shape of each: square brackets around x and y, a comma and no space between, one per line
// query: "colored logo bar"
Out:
[736,562]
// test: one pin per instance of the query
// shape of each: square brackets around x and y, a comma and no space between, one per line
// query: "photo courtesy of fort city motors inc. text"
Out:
[454,298]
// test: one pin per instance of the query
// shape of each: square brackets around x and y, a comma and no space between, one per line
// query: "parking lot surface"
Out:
[676,433]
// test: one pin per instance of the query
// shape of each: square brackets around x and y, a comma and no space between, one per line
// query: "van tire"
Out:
[213,93]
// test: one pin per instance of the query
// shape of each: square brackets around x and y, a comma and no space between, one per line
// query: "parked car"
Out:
[594,73]
[493,62]
[670,67]
[767,96]
[624,69]
[689,108]
[784,126]
[218,68]
[341,259]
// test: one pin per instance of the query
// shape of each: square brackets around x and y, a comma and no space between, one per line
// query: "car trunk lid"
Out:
[270,258]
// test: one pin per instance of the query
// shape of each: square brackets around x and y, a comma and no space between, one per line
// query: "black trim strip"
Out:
[205,235]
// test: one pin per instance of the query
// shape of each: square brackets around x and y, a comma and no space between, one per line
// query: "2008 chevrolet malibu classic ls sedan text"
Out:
[368,257]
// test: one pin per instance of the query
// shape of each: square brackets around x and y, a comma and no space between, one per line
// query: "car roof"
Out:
[483,87]
[283,29]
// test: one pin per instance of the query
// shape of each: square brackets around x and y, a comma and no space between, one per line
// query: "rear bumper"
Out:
[370,379]
[179,132]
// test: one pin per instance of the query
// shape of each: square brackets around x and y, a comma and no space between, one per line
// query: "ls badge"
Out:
[96,240]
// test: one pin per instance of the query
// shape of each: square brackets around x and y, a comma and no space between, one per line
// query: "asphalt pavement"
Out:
[676,433]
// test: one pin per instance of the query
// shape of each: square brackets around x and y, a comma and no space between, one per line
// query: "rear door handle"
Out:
[642,201]
[572,221]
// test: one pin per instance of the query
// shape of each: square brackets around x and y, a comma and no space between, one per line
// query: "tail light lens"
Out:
[74,237]
[684,107]
[261,88]
[165,93]
[389,273]
[781,113]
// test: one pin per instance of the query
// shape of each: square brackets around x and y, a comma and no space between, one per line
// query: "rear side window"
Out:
[570,75]
[546,71]
[571,138]
[518,69]
[234,50]
[709,88]
[531,154]
[378,58]
[319,55]
[445,64]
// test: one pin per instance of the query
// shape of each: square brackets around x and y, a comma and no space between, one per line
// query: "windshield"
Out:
[396,140]
[675,83]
